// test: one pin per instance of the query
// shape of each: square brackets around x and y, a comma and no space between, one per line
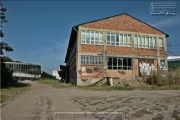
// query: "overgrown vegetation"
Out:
[156,81]
[12,92]
[161,79]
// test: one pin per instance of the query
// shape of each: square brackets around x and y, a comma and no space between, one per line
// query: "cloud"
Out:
[168,22]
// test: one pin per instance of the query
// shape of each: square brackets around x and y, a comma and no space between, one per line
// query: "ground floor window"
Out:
[91,60]
[116,63]
[163,65]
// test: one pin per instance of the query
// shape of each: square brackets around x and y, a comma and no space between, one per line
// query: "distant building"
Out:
[56,74]
[23,71]
[119,46]
[173,58]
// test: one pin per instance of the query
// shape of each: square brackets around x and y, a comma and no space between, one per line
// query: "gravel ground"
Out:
[42,101]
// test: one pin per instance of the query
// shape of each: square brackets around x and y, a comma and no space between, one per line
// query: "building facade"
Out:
[24,71]
[120,47]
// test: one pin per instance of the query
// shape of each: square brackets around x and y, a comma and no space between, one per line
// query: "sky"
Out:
[39,31]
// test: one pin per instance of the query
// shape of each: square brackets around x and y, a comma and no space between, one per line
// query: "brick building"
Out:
[119,46]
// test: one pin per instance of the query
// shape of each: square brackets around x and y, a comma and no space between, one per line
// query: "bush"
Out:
[6,76]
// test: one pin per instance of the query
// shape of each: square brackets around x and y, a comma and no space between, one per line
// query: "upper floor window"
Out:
[161,43]
[91,37]
[118,39]
[145,42]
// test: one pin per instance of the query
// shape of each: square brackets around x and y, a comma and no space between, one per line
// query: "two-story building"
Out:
[119,46]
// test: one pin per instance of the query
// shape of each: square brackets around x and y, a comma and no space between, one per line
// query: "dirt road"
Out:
[42,101]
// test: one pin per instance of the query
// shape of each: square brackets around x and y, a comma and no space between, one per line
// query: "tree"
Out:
[6,74]
[6,59]
[4,46]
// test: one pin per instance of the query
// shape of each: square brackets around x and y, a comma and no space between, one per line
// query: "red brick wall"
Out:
[92,48]
[122,22]
[119,50]
[162,53]
[90,72]
[115,73]
[143,51]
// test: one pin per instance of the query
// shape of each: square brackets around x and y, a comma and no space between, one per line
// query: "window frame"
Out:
[92,37]
[145,42]
[161,46]
[91,60]
[118,39]
[124,64]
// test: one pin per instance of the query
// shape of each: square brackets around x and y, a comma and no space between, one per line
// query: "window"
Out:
[139,41]
[91,37]
[110,63]
[100,60]
[112,39]
[91,60]
[129,40]
[114,65]
[108,39]
[125,40]
[145,42]
[151,43]
[121,39]
[83,38]
[119,63]
[118,39]
[87,37]
[135,41]
[101,38]
[161,44]
[162,62]
[96,38]
[163,65]
[154,42]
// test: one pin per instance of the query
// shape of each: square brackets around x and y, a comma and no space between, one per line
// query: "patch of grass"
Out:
[12,92]
[55,83]
[105,87]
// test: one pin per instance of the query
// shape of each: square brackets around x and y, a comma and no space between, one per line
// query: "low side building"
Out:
[119,46]
[24,71]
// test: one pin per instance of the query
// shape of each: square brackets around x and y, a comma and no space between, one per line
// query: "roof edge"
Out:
[119,15]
